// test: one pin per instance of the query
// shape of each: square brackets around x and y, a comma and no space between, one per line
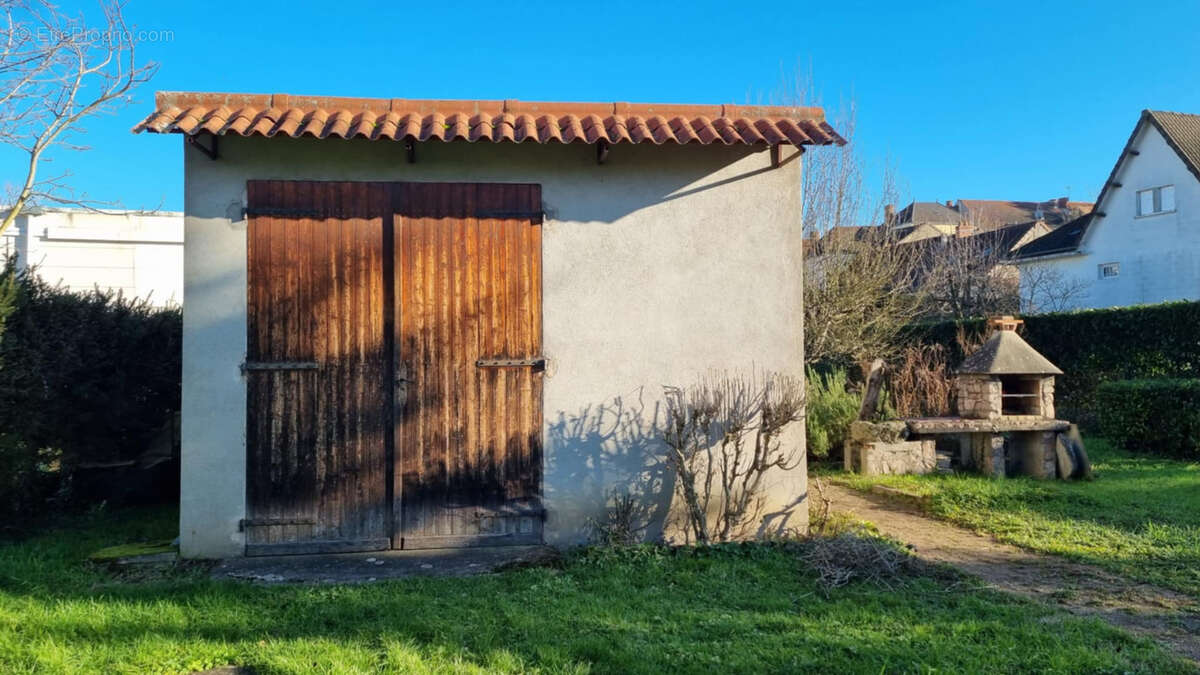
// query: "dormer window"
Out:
[1153,201]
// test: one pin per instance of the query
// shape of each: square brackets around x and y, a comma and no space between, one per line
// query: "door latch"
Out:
[402,382]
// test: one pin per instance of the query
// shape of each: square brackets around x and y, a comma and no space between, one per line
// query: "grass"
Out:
[1140,517]
[740,609]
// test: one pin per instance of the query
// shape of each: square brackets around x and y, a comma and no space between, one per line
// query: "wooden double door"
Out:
[393,368]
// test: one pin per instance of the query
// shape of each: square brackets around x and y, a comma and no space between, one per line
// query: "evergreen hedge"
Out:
[85,378]
[1096,346]
[1161,416]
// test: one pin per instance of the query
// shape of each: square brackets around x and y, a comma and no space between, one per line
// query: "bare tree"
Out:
[55,71]
[859,294]
[968,276]
[859,289]
[1044,288]
[723,439]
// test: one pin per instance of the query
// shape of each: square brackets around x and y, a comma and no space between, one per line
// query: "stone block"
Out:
[901,457]
[887,432]
[989,455]
[1047,392]
[1036,450]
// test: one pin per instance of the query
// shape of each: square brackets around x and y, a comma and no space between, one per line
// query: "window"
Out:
[1109,270]
[1156,200]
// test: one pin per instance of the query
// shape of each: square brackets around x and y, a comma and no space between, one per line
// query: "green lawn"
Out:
[744,609]
[1140,517]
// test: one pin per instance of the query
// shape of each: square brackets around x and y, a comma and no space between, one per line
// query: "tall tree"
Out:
[859,288]
[56,70]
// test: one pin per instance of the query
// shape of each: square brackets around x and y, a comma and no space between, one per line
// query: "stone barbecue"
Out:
[1005,422]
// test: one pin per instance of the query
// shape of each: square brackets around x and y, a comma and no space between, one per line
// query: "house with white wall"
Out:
[137,253]
[1141,243]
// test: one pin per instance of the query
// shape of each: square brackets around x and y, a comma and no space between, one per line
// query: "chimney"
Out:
[1005,322]
[889,214]
[964,229]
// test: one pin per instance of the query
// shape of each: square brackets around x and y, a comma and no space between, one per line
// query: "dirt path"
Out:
[1081,589]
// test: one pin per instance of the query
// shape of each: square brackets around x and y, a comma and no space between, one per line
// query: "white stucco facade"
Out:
[139,254]
[660,264]
[1157,256]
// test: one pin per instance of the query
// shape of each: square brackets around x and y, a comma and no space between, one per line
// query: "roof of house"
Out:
[1006,353]
[918,213]
[841,235]
[1062,239]
[509,120]
[1007,237]
[1181,132]
[991,213]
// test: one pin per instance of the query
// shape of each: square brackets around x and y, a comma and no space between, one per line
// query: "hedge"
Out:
[85,378]
[1096,346]
[1161,416]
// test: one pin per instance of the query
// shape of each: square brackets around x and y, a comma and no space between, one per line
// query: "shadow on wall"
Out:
[605,450]
[575,188]
[617,449]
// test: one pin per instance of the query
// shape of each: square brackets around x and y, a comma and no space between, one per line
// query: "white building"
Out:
[137,253]
[1141,243]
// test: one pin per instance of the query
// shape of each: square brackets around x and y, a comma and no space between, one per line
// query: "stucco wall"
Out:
[140,255]
[1159,255]
[660,264]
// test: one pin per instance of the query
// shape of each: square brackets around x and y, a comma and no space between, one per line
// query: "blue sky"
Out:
[987,100]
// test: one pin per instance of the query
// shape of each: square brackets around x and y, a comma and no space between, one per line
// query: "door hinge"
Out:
[249,366]
[266,522]
[538,362]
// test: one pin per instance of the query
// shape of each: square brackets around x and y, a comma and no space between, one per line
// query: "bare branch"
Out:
[723,439]
[56,71]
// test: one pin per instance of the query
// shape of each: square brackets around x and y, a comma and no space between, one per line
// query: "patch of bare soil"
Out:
[1158,613]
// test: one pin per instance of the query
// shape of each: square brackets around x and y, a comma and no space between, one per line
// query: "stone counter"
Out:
[959,425]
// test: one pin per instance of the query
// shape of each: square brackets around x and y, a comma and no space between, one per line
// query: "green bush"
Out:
[84,378]
[1160,416]
[831,409]
[1095,346]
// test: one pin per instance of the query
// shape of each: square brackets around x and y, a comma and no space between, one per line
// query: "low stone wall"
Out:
[875,449]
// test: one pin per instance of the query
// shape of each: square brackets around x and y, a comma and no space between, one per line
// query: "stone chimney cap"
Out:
[1005,322]
[1006,353]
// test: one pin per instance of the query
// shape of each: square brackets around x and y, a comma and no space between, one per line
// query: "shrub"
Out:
[84,378]
[920,383]
[1094,346]
[832,406]
[1160,416]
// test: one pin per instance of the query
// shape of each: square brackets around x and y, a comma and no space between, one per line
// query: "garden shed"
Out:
[415,324]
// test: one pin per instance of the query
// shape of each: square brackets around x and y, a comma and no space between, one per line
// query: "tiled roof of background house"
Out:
[1063,239]
[1182,132]
[992,213]
[918,213]
[542,122]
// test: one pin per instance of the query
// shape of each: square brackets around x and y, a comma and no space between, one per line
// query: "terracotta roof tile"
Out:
[517,121]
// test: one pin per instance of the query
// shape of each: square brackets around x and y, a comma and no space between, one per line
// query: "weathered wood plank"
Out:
[316,437]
